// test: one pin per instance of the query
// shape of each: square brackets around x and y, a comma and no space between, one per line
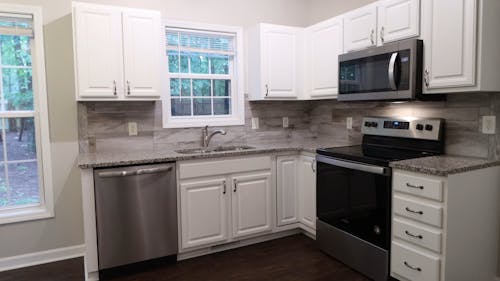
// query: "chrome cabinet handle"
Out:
[382,34]
[371,37]
[414,186]
[235,182]
[426,78]
[412,267]
[312,166]
[114,87]
[267,90]
[413,211]
[413,235]
[128,87]
[224,187]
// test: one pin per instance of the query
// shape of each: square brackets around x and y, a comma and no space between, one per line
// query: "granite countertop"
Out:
[443,165]
[99,160]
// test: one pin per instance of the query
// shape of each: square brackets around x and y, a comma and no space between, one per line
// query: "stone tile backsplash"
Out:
[103,125]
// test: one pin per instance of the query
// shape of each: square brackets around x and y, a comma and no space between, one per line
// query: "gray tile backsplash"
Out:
[103,125]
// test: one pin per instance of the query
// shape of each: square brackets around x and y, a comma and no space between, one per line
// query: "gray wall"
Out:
[320,10]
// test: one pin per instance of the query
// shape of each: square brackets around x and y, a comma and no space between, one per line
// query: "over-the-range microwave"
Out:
[389,72]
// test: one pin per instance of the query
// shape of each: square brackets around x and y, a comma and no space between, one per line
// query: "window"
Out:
[204,76]
[25,186]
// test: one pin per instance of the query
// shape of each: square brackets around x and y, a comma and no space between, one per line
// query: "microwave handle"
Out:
[391,71]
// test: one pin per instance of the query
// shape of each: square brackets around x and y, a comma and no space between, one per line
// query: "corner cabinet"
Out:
[117,53]
[324,44]
[275,62]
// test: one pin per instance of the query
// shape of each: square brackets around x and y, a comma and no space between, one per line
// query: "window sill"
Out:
[193,123]
[25,214]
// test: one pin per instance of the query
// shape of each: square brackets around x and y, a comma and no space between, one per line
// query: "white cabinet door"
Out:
[98,52]
[360,28]
[142,55]
[204,212]
[307,191]
[287,181]
[325,43]
[449,33]
[251,203]
[398,19]
[279,46]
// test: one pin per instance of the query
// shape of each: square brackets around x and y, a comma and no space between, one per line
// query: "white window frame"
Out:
[40,114]
[237,116]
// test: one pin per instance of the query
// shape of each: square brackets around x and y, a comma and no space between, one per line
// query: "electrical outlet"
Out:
[132,128]
[489,125]
[349,123]
[285,122]
[255,123]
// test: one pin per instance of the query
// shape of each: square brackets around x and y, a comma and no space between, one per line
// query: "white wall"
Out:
[320,10]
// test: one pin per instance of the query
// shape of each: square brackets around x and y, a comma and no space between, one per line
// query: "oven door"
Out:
[355,198]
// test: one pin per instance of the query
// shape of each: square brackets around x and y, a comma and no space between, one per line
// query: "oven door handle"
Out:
[354,165]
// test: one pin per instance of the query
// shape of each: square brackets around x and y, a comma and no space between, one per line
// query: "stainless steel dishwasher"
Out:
[136,209]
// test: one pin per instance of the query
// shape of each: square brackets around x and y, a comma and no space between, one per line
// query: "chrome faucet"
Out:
[206,137]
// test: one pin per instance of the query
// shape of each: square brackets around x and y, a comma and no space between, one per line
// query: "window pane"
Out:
[3,126]
[201,87]
[222,106]
[202,106]
[23,184]
[222,88]
[20,139]
[175,88]
[219,65]
[199,63]
[3,187]
[184,42]
[173,62]
[15,50]
[199,41]
[186,87]
[184,63]
[17,88]
[172,38]
[181,107]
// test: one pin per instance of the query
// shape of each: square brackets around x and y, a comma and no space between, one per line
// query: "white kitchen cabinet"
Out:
[398,20]
[275,62]
[287,190]
[360,28]
[460,45]
[445,228]
[204,216]
[307,192]
[117,52]
[251,203]
[324,44]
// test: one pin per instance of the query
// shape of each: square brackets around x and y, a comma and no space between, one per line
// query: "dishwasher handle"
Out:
[135,172]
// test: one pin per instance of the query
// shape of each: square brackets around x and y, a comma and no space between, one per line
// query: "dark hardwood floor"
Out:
[67,270]
[292,258]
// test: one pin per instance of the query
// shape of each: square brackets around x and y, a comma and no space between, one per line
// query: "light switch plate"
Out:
[489,125]
[349,123]
[132,128]
[285,122]
[255,123]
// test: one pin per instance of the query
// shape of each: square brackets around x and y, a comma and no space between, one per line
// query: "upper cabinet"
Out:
[397,20]
[275,53]
[360,28]
[324,44]
[117,53]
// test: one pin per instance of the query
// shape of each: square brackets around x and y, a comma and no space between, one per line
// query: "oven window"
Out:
[356,202]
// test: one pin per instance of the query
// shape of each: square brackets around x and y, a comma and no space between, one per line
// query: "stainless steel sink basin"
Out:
[214,149]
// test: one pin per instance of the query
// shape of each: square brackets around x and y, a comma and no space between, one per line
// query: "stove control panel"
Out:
[404,127]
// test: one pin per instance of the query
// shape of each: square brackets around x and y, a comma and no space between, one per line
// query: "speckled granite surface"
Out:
[443,165]
[98,160]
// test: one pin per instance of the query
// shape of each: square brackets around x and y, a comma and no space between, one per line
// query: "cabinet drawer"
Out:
[419,186]
[193,169]
[426,238]
[419,211]
[413,264]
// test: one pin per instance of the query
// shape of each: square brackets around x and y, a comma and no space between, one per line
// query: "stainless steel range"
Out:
[354,189]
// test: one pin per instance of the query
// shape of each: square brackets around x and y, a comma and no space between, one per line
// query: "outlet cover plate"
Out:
[349,123]
[285,122]
[132,128]
[489,125]
[255,123]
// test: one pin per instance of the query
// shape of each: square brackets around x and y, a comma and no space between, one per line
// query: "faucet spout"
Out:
[206,137]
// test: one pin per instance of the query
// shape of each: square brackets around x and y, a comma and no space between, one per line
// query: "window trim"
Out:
[40,111]
[238,98]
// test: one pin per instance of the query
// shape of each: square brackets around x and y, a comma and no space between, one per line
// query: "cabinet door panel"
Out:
[398,19]
[449,31]
[251,202]
[287,205]
[360,27]
[98,47]
[204,209]
[142,37]
[307,192]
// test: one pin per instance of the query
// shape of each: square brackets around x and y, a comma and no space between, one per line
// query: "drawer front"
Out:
[426,238]
[418,211]
[419,186]
[414,265]
[222,166]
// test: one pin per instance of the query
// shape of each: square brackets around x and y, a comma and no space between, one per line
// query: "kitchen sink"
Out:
[214,149]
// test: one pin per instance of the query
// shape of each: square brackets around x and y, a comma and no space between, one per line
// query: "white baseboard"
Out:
[37,258]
